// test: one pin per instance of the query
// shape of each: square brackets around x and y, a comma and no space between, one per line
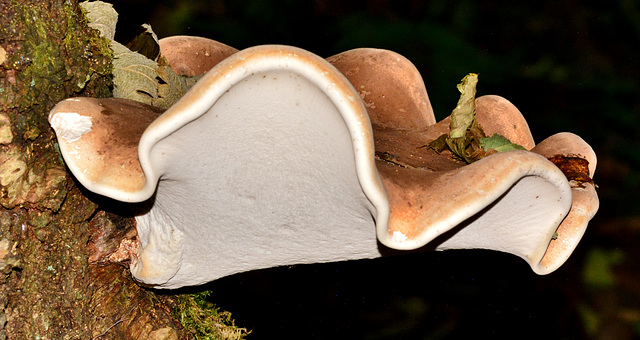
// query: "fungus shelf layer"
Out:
[278,157]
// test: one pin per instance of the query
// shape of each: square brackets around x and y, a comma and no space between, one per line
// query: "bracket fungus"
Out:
[278,157]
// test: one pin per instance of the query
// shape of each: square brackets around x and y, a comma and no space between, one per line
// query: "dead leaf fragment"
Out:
[574,168]
[466,139]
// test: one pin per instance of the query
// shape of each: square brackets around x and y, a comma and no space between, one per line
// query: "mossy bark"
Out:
[54,280]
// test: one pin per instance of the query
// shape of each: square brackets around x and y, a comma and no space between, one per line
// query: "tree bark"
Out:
[55,278]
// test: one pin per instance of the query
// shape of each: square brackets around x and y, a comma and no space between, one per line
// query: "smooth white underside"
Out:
[521,221]
[266,177]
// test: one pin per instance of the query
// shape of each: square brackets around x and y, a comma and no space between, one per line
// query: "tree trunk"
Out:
[55,280]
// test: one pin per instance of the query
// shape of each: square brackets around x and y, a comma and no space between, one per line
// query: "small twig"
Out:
[108,329]
[389,158]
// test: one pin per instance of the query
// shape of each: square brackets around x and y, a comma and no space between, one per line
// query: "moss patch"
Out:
[51,55]
[203,320]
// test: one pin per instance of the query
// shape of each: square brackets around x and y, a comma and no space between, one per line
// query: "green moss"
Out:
[53,66]
[203,320]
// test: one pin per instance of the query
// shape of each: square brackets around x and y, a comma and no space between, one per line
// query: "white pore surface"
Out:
[265,178]
[521,222]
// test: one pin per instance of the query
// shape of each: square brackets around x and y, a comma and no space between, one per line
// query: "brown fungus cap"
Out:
[98,139]
[192,56]
[390,87]
[498,115]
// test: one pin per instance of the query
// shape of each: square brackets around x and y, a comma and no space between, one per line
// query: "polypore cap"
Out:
[98,139]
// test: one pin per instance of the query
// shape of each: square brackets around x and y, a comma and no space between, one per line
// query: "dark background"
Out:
[567,65]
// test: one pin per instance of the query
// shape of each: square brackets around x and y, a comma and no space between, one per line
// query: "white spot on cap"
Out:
[399,236]
[70,125]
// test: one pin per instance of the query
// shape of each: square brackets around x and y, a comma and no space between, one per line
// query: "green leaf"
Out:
[141,79]
[464,130]
[101,17]
[464,113]
[138,76]
[171,86]
[134,75]
[466,139]
[499,143]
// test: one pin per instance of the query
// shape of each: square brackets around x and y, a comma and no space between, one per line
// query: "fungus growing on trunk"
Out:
[275,158]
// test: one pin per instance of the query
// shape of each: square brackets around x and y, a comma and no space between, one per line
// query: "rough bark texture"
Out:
[55,278]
